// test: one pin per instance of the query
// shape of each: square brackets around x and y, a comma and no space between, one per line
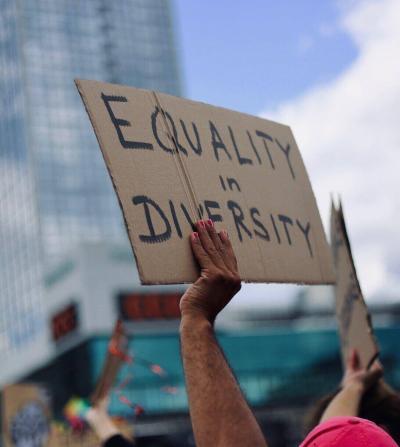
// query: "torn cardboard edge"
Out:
[325,275]
[110,173]
[372,347]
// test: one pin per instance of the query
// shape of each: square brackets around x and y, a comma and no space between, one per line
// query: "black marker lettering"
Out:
[119,122]
[254,147]
[175,138]
[306,232]
[152,237]
[275,229]
[241,160]
[286,221]
[238,217]
[154,127]
[231,182]
[222,183]
[197,149]
[265,137]
[175,219]
[286,152]
[217,142]
[211,204]
[264,233]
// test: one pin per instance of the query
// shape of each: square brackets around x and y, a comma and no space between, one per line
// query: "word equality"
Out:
[249,223]
[262,147]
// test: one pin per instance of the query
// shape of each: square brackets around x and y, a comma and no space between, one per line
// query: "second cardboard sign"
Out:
[354,322]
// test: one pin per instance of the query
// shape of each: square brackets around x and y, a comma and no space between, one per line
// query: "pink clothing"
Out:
[348,432]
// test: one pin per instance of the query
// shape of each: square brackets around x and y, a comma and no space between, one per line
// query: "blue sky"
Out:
[327,68]
[252,55]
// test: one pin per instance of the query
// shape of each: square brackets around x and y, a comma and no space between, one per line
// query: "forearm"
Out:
[101,424]
[345,403]
[219,413]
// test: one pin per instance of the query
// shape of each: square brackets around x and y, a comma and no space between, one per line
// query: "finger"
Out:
[356,360]
[208,244]
[352,360]
[377,364]
[228,260]
[228,253]
[214,236]
[199,252]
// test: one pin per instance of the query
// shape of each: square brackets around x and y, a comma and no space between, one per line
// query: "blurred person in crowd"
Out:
[101,423]
[363,394]
[219,413]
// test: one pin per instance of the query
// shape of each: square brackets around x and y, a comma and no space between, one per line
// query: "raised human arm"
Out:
[356,382]
[219,413]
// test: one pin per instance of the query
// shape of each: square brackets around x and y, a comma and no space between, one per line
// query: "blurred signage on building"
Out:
[149,306]
[64,322]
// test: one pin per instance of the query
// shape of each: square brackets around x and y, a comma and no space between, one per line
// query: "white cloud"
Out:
[349,134]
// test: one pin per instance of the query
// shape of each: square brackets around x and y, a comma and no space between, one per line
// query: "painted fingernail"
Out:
[210,223]
[202,224]
[195,236]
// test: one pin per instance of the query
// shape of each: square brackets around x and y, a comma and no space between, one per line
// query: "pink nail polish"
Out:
[202,224]
[195,235]
[210,223]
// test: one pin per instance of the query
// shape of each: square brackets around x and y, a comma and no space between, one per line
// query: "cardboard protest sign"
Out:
[173,161]
[25,416]
[116,356]
[354,322]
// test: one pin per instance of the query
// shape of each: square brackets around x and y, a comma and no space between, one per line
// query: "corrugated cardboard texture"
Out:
[25,413]
[173,161]
[354,321]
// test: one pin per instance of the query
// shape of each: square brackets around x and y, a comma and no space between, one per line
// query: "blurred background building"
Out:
[54,189]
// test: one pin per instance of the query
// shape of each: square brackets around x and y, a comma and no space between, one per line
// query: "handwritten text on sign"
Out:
[252,225]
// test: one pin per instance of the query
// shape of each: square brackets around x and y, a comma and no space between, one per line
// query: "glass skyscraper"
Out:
[54,189]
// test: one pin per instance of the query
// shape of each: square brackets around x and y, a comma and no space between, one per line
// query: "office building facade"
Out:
[54,189]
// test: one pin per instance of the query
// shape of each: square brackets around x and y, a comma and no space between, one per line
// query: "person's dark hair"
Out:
[380,404]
